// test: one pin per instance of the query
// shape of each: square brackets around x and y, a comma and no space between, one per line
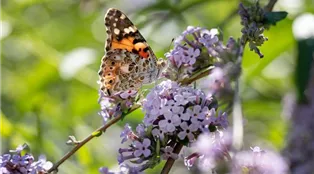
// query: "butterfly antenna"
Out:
[172,40]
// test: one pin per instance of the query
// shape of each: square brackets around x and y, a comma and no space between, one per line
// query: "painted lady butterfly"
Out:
[129,62]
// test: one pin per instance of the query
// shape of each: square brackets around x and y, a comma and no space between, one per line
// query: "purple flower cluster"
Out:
[114,105]
[174,114]
[252,18]
[139,152]
[186,55]
[209,149]
[212,149]
[184,112]
[258,161]
[15,162]
[198,49]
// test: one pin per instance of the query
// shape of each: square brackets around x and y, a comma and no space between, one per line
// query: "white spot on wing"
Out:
[131,28]
[116,31]
[122,16]
[126,30]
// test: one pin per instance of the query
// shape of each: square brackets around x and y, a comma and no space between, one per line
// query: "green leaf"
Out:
[303,68]
[273,17]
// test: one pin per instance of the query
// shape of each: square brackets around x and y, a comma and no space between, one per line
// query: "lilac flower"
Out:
[105,170]
[110,108]
[171,105]
[142,148]
[19,149]
[149,119]
[258,161]
[218,82]
[210,148]
[190,30]
[169,123]
[115,105]
[206,163]
[18,163]
[126,133]
[41,165]
[190,160]
[209,39]
[204,125]
[127,94]
[3,170]
[140,130]
[125,168]
[190,55]
[215,81]
[208,120]
[121,158]
[5,158]
[256,149]
[158,133]
[222,120]
[105,116]
[186,116]
[184,98]
[187,131]
[205,144]
[168,153]
[175,57]
[198,112]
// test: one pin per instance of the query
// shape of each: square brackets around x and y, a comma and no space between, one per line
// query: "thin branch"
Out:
[237,118]
[88,138]
[237,110]
[200,75]
[171,161]
[269,7]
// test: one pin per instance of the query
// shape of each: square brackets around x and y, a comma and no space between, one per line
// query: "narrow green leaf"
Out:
[303,68]
[273,17]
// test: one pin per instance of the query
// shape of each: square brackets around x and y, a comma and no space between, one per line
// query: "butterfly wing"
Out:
[129,62]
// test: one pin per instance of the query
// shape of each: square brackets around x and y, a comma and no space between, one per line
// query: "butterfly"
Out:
[129,62]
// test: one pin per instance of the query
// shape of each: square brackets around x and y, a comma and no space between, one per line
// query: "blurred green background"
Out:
[51,52]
